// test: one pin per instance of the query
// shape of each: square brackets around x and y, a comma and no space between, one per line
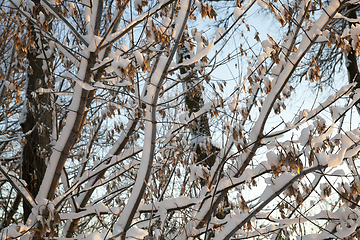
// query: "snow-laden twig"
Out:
[19,186]
[237,222]
[119,34]
[63,19]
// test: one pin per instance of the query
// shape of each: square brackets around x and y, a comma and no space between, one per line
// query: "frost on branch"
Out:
[136,120]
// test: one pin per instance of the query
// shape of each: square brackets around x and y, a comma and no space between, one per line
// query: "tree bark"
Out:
[38,118]
[351,60]
[194,102]
[200,131]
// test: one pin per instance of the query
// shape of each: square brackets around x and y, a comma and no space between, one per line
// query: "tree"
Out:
[105,135]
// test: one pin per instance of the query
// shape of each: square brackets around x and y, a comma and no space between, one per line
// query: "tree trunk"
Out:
[37,119]
[351,60]
[205,150]
[200,130]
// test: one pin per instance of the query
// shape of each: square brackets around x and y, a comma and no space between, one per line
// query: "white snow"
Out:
[180,18]
[237,13]
[203,52]
[84,85]
[96,209]
[139,57]
[262,3]
[136,233]
[231,224]
[276,184]
[94,236]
